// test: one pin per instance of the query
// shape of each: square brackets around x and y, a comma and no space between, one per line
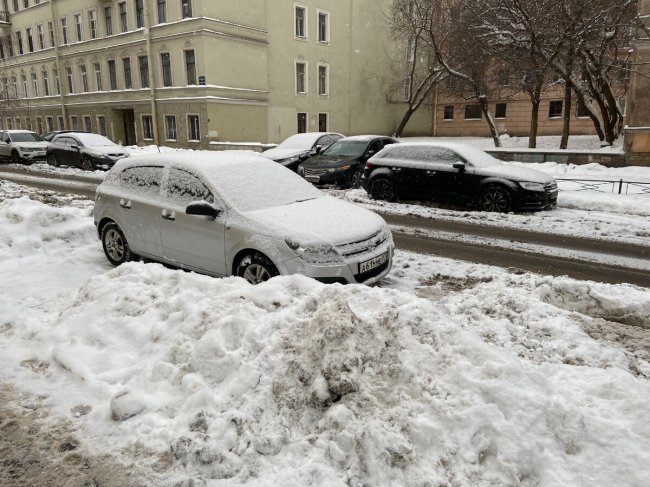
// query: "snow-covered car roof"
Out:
[362,138]
[19,131]
[88,139]
[468,152]
[303,141]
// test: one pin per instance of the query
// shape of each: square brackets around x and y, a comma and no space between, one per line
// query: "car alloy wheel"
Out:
[496,199]
[86,164]
[355,180]
[52,160]
[115,245]
[256,268]
[15,158]
[382,189]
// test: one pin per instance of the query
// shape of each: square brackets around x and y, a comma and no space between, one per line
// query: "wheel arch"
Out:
[242,253]
[102,223]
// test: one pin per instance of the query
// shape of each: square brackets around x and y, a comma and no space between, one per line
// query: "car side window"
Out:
[446,156]
[143,179]
[185,188]
[376,146]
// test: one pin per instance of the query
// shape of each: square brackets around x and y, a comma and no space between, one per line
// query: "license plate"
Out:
[313,179]
[371,264]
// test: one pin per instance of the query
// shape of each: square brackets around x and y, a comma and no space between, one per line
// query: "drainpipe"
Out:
[152,78]
[435,111]
[64,111]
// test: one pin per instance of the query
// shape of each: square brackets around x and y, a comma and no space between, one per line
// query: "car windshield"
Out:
[250,187]
[26,137]
[300,141]
[346,148]
[94,140]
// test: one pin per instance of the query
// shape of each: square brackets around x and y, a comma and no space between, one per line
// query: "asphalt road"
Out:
[441,240]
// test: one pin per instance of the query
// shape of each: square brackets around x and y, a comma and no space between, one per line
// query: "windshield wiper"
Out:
[301,201]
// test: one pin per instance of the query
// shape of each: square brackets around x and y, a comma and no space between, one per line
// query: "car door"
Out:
[140,203]
[444,179]
[410,171]
[192,241]
[5,150]
[73,151]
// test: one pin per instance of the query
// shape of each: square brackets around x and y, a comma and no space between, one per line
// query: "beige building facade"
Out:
[190,72]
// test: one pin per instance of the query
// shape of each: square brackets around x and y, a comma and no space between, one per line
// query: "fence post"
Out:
[620,186]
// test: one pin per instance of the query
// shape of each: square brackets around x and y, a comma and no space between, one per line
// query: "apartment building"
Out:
[189,72]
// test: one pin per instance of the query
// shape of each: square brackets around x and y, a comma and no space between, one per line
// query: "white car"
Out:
[300,147]
[22,146]
[235,214]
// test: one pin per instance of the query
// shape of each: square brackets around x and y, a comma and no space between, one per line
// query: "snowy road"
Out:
[478,241]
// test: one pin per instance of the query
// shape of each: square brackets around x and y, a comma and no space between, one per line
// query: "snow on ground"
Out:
[447,373]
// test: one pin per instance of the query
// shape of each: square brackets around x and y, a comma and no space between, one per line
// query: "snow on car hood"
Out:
[278,154]
[108,149]
[329,161]
[321,220]
[515,173]
[32,145]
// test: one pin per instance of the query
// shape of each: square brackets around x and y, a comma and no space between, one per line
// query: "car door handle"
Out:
[396,169]
[125,204]
[431,172]
[168,215]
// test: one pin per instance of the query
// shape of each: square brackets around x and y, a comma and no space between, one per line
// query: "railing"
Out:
[618,186]
[4,17]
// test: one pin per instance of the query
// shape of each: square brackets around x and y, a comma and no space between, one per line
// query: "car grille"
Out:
[313,171]
[362,246]
[550,187]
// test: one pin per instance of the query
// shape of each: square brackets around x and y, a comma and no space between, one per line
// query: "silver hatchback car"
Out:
[236,214]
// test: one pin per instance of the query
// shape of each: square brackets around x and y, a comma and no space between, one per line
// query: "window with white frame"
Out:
[193,130]
[49,124]
[139,13]
[323,80]
[84,78]
[143,64]
[161,9]
[108,20]
[19,42]
[57,81]
[30,39]
[300,29]
[101,125]
[323,122]
[69,78]
[78,27]
[87,124]
[166,67]
[46,83]
[40,34]
[407,89]
[23,79]
[186,9]
[170,127]
[35,84]
[74,122]
[64,30]
[97,67]
[323,27]
[39,125]
[190,67]
[301,78]
[410,51]
[92,23]
[112,74]
[147,127]
[60,123]
[126,65]
[121,9]
[50,30]
[302,122]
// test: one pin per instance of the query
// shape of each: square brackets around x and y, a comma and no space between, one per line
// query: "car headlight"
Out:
[532,186]
[301,170]
[343,168]
[25,149]
[315,254]
[98,155]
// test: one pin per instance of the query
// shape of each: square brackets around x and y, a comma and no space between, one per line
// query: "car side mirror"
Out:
[460,166]
[319,149]
[202,208]
[371,153]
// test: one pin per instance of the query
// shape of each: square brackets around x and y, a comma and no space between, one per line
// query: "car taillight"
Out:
[368,166]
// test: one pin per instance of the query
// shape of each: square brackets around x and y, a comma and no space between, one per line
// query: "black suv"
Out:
[342,162]
[456,173]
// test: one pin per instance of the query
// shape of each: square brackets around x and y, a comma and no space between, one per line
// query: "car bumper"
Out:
[33,156]
[338,178]
[347,272]
[537,200]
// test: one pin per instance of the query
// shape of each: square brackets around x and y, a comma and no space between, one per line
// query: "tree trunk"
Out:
[534,123]
[405,119]
[566,125]
[485,108]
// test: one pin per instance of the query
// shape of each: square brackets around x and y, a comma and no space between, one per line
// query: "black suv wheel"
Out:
[382,188]
[496,198]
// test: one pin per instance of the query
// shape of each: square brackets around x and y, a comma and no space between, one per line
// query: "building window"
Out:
[301,26]
[302,122]
[78,27]
[10,124]
[49,124]
[121,8]
[147,127]
[555,109]
[448,112]
[193,132]
[46,83]
[186,8]
[126,63]
[40,33]
[35,85]
[98,76]
[503,77]
[323,80]
[410,51]
[323,122]
[139,13]
[19,42]
[64,30]
[108,20]
[581,111]
[19,124]
[323,27]
[101,125]
[50,29]
[74,122]
[92,23]
[57,82]
[301,78]
[39,125]
[30,40]
[501,110]
[112,75]
[16,6]
[143,63]
[407,89]
[60,123]
[26,3]
[84,78]
[473,112]
[23,79]
[190,67]
[87,124]
[170,127]
[162,11]
[166,64]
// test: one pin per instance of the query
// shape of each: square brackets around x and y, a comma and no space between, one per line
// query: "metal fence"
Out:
[618,186]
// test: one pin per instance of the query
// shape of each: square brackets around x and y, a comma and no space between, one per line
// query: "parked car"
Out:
[297,148]
[22,146]
[343,162]
[84,150]
[235,214]
[457,173]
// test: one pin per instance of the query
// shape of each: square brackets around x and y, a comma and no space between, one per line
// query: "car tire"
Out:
[496,199]
[382,188]
[86,164]
[52,160]
[15,157]
[256,268]
[116,247]
[355,179]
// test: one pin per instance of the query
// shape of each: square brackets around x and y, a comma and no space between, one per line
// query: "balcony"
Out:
[4,19]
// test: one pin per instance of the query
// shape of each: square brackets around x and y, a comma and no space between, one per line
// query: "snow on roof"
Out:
[364,138]
[469,152]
